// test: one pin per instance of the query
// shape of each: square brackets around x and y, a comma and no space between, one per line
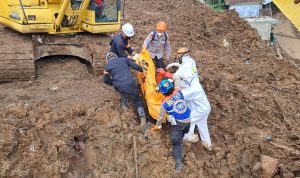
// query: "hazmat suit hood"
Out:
[188,75]
[188,71]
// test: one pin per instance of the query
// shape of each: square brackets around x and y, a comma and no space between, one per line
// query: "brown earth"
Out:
[253,95]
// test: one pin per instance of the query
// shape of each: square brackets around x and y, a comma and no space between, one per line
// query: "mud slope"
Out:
[252,93]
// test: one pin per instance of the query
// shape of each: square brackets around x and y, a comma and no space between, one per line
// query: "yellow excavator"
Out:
[42,28]
[291,9]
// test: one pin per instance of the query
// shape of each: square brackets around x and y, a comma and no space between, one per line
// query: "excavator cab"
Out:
[61,16]
[104,11]
[53,28]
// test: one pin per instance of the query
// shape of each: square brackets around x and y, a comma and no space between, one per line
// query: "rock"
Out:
[269,166]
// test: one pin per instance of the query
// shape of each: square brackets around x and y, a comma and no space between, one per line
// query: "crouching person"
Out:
[179,117]
[117,74]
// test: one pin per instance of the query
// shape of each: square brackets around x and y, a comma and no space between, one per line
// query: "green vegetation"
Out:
[216,5]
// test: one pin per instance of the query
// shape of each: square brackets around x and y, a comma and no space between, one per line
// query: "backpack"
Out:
[165,34]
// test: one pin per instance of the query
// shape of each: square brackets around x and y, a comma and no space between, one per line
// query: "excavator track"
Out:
[16,56]
[18,52]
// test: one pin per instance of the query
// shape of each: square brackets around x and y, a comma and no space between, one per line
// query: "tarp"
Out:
[148,84]
[290,10]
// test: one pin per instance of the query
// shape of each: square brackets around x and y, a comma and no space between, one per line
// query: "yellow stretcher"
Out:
[148,84]
[290,10]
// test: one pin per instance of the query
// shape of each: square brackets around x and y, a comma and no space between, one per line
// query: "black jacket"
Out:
[119,74]
[118,46]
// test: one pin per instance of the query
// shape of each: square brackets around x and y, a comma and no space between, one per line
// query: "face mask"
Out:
[180,60]
[159,34]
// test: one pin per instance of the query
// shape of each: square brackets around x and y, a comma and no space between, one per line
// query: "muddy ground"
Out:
[253,95]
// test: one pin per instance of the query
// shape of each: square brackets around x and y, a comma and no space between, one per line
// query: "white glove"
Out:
[175,64]
[135,57]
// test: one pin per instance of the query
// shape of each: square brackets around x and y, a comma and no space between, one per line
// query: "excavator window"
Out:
[105,10]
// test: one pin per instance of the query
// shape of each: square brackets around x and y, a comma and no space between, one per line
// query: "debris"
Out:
[135,157]
[39,39]
[283,146]
[279,54]
[32,147]
[225,43]
[269,138]
[53,88]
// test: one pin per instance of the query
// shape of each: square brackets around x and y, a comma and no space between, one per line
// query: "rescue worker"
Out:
[186,78]
[179,117]
[99,5]
[122,42]
[156,43]
[117,74]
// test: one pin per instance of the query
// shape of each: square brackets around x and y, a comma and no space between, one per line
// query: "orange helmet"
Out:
[161,27]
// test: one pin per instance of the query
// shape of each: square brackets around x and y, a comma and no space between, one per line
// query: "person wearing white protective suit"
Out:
[187,80]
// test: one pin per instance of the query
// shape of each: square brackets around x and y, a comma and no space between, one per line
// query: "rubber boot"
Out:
[178,166]
[141,113]
[124,103]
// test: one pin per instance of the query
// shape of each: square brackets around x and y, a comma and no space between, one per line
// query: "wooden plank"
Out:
[13,56]
[135,157]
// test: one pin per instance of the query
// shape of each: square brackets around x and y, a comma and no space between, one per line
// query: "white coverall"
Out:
[187,78]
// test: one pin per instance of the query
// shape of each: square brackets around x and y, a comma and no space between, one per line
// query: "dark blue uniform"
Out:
[120,77]
[175,105]
[119,45]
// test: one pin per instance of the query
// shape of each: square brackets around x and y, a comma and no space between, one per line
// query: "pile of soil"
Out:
[253,95]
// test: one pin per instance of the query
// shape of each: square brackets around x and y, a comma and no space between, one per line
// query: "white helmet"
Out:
[127,28]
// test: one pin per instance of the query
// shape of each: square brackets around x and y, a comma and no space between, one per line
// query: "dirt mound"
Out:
[68,124]
[249,88]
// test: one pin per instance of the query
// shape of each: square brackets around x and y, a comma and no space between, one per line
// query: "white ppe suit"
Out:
[187,80]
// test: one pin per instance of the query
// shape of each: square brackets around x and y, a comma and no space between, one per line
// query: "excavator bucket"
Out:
[148,84]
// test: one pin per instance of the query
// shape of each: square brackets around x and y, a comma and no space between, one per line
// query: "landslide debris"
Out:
[79,130]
